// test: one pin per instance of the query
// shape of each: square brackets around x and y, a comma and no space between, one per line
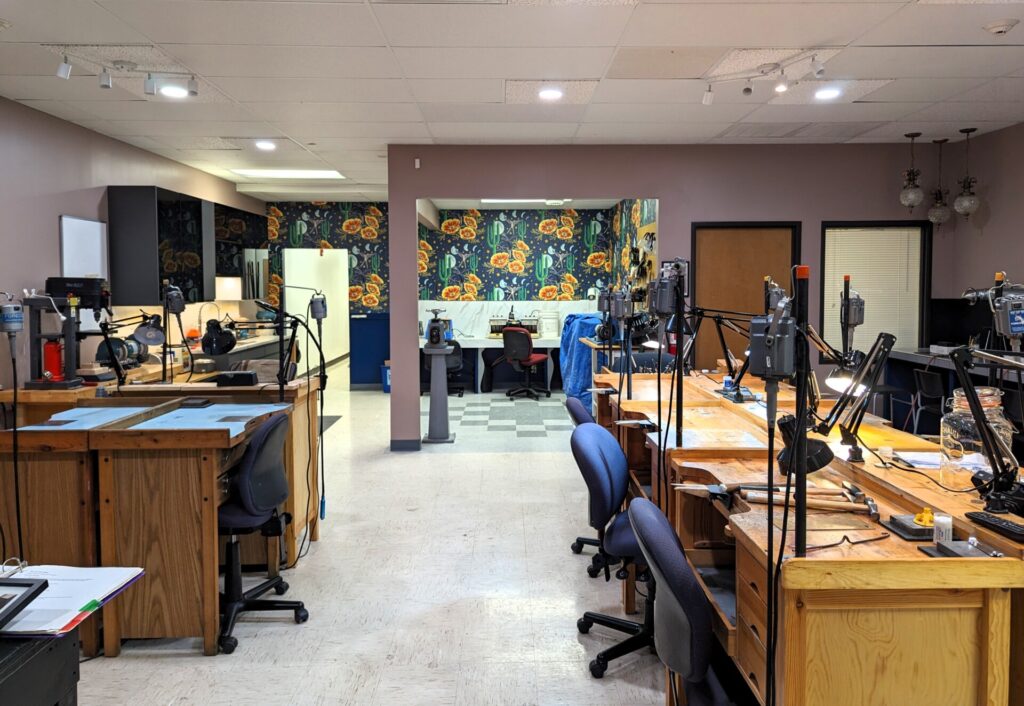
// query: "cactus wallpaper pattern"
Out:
[361,228]
[516,255]
[634,224]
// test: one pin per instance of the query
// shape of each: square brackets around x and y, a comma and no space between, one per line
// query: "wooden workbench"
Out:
[161,480]
[872,623]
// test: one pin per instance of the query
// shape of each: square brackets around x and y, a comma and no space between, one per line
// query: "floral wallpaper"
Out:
[635,224]
[361,228]
[180,240]
[516,255]
[235,230]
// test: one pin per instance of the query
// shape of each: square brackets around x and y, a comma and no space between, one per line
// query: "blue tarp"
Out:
[577,376]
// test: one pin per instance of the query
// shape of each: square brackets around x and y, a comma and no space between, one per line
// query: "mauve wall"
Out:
[806,183]
[50,168]
[993,238]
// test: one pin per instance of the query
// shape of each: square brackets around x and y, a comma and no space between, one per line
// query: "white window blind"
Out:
[884,265]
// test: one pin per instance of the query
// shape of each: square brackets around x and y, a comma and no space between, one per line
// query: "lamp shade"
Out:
[228,289]
[840,380]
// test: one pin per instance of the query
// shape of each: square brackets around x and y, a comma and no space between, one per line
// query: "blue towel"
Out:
[577,376]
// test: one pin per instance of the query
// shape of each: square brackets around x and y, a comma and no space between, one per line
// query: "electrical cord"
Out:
[304,543]
[184,343]
[908,469]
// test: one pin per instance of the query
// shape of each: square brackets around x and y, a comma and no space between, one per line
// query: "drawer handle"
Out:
[753,678]
[754,587]
[753,629]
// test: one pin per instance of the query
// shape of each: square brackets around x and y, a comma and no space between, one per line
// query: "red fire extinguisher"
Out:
[53,360]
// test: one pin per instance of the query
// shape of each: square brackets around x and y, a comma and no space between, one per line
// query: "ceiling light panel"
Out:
[573,92]
[804,92]
[664,62]
[834,132]
[761,130]
[797,62]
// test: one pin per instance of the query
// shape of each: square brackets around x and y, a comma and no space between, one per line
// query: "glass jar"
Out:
[962,450]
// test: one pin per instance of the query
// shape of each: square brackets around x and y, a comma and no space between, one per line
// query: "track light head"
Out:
[105,79]
[193,86]
[817,67]
[748,89]
[782,85]
[709,96]
[64,70]
[149,85]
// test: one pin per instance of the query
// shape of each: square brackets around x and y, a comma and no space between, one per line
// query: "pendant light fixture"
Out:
[939,213]
[967,202]
[911,194]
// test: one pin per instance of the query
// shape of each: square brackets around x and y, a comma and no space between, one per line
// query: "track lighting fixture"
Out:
[105,79]
[817,67]
[64,70]
[709,96]
[748,89]
[782,85]
[149,85]
[193,86]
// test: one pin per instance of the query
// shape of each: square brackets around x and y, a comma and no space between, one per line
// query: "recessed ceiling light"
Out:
[289,173]
[171,90]
[550,94]
[827,94]
[265,145]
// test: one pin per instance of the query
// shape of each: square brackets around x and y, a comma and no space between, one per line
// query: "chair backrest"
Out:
[682,615]
[453,361]
[929,384]
[261,482]
[577,412]
[518,343]
[604,468]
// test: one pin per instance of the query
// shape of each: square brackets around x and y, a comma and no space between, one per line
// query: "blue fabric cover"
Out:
[575,358]
[577,412]
[619,538]
[603,466]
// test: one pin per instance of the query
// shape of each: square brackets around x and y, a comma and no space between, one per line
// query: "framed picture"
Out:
[16,594]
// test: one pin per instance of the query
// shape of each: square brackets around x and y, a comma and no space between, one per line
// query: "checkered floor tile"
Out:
[496,413]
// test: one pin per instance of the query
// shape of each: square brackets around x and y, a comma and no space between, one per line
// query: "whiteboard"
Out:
[83,248]
[83,253]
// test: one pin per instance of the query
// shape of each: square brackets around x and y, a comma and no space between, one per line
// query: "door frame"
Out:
[795,228]
[925,284]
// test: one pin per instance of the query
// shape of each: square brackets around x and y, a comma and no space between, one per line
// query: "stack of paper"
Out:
[71,596]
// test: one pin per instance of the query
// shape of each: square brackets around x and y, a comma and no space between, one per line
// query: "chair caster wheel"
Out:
[281,588]
[584,625]
[577,548]
[301,615]
[227,644]
[593,571]
[622,574]
[598,667]
[460,394]
[547,394]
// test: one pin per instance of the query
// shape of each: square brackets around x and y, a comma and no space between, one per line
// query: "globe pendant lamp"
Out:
[967,202]
[911,194]
[939,213]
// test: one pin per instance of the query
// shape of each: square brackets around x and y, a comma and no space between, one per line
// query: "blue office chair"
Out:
[682,614]
[581,415]
[258,487]
[604,468]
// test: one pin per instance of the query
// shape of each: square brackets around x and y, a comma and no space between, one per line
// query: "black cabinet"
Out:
[156,234]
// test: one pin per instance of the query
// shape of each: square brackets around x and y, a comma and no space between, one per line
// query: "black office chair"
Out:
[266,370]
[581,415]
[604,468]
[929,389]
[453,366]
[258,487]
[519,354]
[682,614]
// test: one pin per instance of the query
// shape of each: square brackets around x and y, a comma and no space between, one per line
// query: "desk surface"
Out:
[84,418]
[232,417]
[486,342]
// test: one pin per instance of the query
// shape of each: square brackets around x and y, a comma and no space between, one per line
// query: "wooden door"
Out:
[730,264]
